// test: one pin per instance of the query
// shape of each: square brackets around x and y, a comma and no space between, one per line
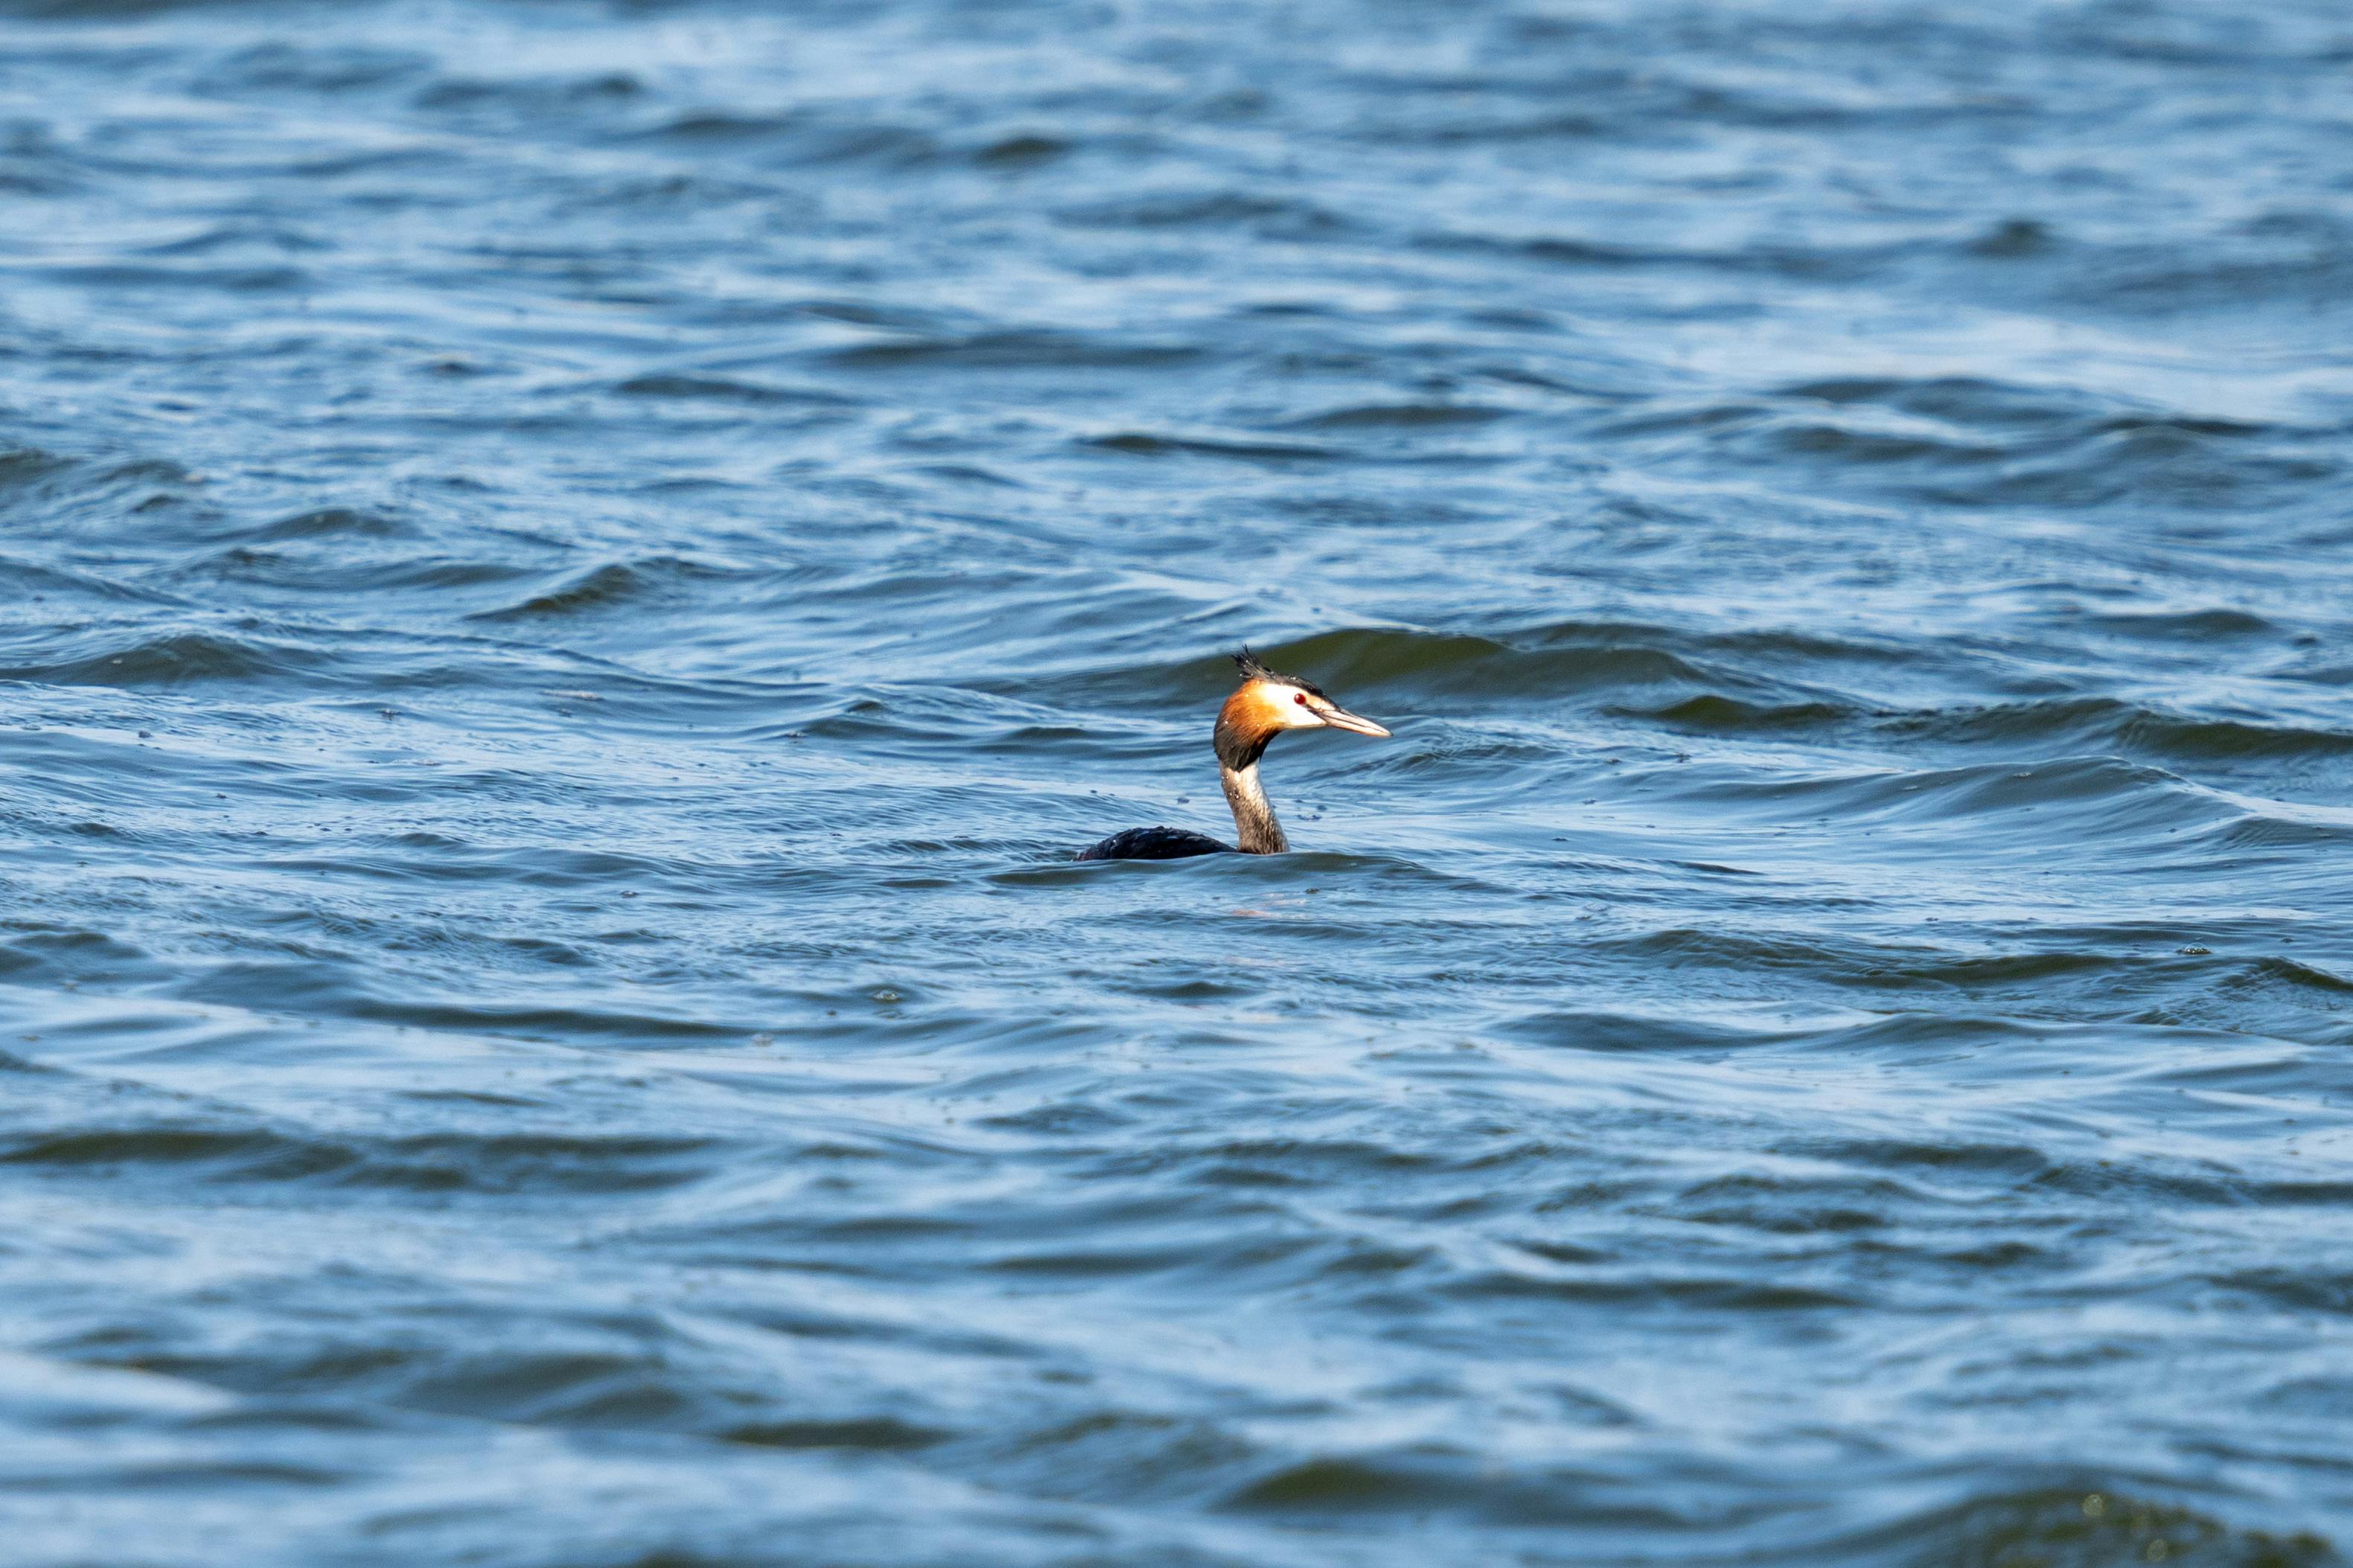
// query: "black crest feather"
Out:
[1252,669]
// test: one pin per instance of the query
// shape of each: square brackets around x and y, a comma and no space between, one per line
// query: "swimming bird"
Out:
[1262,707]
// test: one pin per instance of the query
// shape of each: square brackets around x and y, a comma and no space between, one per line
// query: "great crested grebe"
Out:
[1264,707]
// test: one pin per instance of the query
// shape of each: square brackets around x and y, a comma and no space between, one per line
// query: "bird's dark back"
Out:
[1155,844]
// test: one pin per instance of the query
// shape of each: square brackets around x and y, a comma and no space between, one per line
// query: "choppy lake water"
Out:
[571,577]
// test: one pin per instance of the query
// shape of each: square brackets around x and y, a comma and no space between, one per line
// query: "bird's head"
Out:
[1267,704]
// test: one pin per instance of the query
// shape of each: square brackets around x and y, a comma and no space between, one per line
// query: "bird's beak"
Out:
[1341,719]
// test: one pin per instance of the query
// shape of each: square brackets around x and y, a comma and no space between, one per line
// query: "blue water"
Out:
[572,577]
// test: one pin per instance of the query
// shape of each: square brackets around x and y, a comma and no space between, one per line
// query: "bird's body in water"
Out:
[1264,706]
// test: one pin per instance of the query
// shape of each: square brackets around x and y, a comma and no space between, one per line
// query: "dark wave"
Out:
[1288,216]
[723,389]
[617,585]
[2089,1524]
[430,1163]
[1141,444]
[804,140]
[182,658]
[329,522]
[1013,350]
[2133,728]
[1402,415]
[1023,151]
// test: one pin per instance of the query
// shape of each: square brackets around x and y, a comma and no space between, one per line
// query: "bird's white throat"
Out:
[1254,821]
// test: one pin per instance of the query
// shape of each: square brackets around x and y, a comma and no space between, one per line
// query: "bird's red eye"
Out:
[1301,699]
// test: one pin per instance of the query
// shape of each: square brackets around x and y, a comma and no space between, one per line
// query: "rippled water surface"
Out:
[572,577]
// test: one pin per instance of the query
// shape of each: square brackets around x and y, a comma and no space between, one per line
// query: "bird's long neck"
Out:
[1254,820]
